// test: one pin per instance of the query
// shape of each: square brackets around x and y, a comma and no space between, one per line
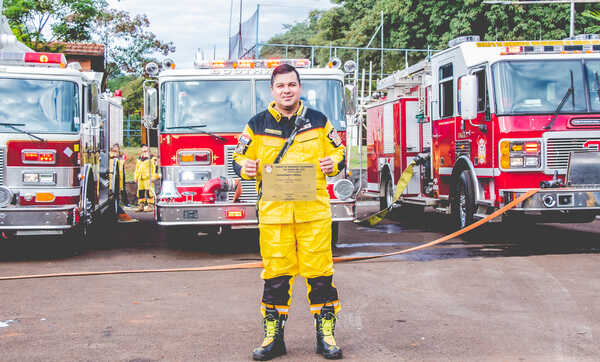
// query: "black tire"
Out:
[387,192]
[463,201]
[335,234]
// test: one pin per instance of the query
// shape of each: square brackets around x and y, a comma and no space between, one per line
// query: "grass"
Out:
[354,155]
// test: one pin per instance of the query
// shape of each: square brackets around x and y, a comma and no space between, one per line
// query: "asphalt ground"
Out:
[505,293]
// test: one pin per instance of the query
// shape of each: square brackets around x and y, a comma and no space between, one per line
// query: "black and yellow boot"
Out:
[325,323]
[273,344]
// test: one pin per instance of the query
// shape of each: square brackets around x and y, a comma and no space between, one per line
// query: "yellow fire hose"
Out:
[258,265]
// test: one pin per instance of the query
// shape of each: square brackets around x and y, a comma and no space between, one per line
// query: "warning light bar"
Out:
[34,58]
[39,156]
[252,63]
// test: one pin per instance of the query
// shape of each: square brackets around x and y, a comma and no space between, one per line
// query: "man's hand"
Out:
[326,164]
[250,167]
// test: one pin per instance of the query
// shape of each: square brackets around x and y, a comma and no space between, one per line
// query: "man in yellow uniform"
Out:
[295,236]
[115,154]
[145,174]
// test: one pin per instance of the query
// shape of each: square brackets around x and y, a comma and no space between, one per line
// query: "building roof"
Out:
[81,48]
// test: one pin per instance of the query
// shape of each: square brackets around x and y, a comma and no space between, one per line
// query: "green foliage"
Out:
[128,42]
[67,20]
[129,45]
[422,24]
[133,93]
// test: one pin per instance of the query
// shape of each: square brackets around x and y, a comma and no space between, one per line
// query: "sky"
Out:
[193,24]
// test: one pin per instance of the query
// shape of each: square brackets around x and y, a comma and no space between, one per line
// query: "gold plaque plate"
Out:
[289,182]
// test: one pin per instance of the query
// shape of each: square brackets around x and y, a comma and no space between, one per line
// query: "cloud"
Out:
[193,24]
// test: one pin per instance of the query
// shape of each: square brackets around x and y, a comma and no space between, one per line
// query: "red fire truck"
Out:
[55,130]
[487,121]
[202,114]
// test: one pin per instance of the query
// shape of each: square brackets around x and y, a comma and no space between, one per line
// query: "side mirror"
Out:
[150,104]
[468,97]
[92,98]
[350,98]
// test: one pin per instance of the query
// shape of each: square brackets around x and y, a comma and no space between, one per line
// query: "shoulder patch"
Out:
[243,144]
[334,137]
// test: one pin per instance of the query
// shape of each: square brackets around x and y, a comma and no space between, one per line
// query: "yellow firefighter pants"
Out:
[300,248]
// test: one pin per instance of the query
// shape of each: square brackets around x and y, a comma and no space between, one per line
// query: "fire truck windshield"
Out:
[39,105]
[218,105]
[325,95]
[539,86]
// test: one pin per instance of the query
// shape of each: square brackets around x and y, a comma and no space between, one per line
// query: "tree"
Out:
[431,24]
[128,42]
[39,22]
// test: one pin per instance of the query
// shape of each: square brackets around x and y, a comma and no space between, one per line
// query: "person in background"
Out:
[116,155]
[145,175]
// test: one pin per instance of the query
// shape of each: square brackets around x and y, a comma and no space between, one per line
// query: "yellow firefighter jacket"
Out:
[145,172]
[263,138]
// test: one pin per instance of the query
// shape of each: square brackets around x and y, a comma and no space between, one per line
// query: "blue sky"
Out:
[192,24]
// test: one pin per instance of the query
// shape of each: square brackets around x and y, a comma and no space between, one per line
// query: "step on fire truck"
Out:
[203,111]
[488,121]
[54,139]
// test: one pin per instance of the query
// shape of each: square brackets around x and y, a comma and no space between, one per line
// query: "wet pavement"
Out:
[498,293]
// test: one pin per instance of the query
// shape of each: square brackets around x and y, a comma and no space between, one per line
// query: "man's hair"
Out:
[284,69]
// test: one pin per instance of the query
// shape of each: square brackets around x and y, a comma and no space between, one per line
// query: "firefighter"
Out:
[145,174]
[295,236]
[115,153]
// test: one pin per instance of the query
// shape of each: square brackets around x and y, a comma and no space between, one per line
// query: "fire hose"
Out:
[371,220]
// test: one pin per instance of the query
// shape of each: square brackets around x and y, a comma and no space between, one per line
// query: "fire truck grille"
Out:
[462,147]
[248,187]
[558,150]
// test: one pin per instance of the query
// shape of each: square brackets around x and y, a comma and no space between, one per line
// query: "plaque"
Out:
[289,182]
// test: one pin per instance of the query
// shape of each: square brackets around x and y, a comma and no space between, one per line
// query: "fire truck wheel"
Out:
[335,233]
[387,196]
[463,201]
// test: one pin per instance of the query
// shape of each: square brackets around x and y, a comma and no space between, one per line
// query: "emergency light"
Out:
[202,157]
[39,156]
[47,59]
[251,63]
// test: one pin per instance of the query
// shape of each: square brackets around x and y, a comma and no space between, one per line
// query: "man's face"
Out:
[286,90]
[144,150]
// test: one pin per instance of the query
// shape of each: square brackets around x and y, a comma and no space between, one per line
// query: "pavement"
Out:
[527,294]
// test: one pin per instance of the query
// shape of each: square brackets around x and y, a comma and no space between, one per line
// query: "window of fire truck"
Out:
[220,105]
[538,86]
[43,106]
[592,68]
[324,95]
[483,102]
[446,92]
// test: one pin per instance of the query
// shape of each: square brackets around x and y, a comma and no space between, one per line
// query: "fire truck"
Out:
[202,112]
[55,132]
[486,121]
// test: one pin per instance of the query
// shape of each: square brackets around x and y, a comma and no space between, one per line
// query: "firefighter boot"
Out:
[325,323]
[273,344]
[141,206]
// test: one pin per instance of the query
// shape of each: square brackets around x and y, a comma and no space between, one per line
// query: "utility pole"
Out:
[256,45]
[381,75]
[534,2]
[240,33]
[229,33]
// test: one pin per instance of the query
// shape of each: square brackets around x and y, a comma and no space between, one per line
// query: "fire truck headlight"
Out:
[46,178]
[5,196]
[31,178]
[343,189]
[187,176]
[516,162]
[532,161]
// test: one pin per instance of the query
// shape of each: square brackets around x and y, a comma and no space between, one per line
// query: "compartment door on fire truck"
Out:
[478,133]
[443,125]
